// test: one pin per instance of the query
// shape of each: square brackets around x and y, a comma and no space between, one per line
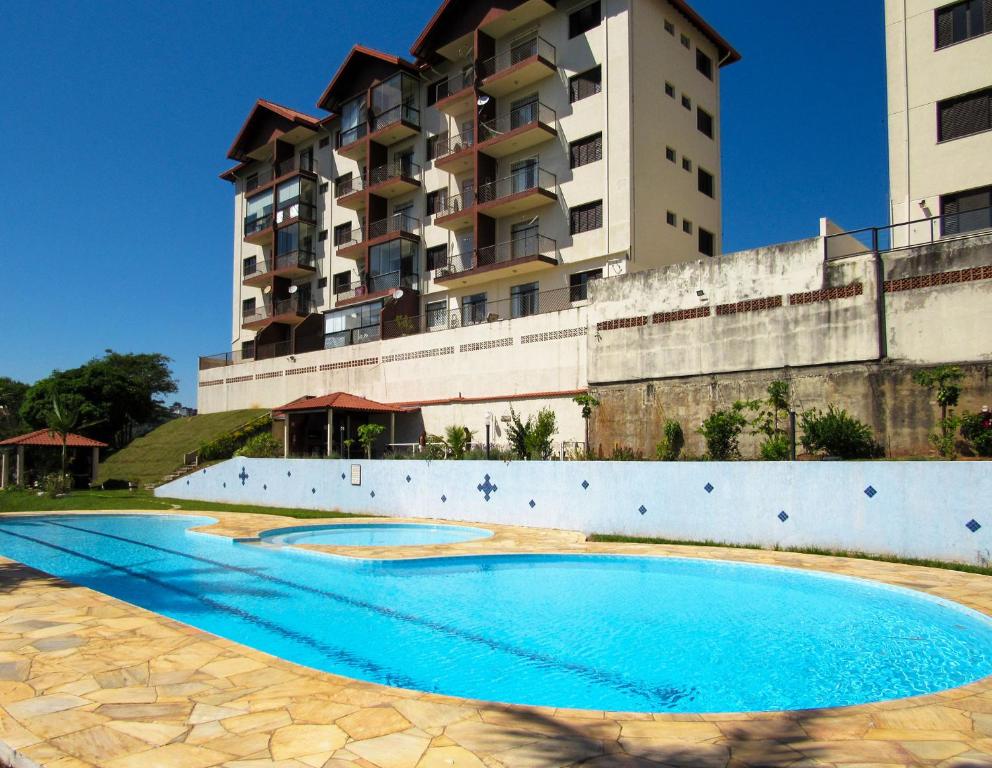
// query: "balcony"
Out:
[522,128]
[393,179]
[350,142]
[291,311]
[258,228]
[295,210]
[351,245]
[524,190]
[522,65]
[259,181]
[454,96]
[456,213]
[346,338]
[397,225]
[452,153]
[348,193]
[293,265]
[395,124]
[522,255]
[376,287]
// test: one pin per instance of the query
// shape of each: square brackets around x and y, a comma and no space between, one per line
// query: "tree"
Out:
[62,419]
[458,439]
[367,435]
[722,430]
[11,396]
[588,402]
[531,439]
[945,379]
[115,393]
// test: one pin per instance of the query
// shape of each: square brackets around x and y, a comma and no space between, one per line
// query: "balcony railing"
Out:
[304,259]
[256,352]
[516,183]
[398,222]
[350,336]
[535,112]
[401,112]
[259,178]
[442,90]
[296,209]
[255,223]
[390,281]
[348,239]
[456,204]
[351,135]
[445,144]
[305,162]
[534,46]
[349,186]
[501,253]
[294,305]
[391,170]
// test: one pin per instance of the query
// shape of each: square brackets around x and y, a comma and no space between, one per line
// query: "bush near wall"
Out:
[225,446]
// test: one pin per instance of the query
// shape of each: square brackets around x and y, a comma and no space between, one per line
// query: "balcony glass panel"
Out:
[352,325]
[353,121]
[258,212]
[299,238]
[396,99]
[393,265]
[296,200]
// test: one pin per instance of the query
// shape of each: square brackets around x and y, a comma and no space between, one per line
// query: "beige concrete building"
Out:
[939,59]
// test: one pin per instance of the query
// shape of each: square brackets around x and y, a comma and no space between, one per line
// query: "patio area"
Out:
[88,680]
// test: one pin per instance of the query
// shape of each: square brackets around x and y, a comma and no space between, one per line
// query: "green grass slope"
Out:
[150,458]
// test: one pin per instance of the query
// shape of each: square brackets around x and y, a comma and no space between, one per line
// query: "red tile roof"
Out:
[45,437]
[344,401]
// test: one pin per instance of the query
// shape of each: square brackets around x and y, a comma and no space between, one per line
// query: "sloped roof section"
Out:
[265,121]
[46,438]
[344,401]
[360,67]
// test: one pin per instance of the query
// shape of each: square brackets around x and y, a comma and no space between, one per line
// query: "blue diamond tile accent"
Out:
[642,509]
[372,494]
[289,473]
[870,492]
[187,482]
[585,484]
[265,487]
[532,503]
[313,490]
[243,475]
[342,475]
[487,488]
[224,484]
[708,488]
[973,526]
[782,516]
[443,498]
[204,471]
[408,478]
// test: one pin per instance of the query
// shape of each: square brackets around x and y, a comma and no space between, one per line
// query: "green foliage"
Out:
[435,448]
[776,448]
[771,414]
[978,435]
[224,446]
[368,434]
[625,453]
[261,446]
[837,434]
[458,439]
[722,431]
[57,484]
[672,443]
[115,393]
[11,396]
[531,439]
[946,380]
[63,418]
[588,402]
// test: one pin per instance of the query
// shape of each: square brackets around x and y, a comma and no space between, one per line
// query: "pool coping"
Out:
[135,688]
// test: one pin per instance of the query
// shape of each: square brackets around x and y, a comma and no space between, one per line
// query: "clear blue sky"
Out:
[115,118]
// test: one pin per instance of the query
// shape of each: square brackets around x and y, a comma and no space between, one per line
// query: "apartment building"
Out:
[487,178]
[939,72]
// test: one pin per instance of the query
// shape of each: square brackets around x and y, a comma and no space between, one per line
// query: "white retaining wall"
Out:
[910,509]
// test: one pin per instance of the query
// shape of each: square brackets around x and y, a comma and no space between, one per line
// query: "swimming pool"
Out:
[614,633]
[374,534]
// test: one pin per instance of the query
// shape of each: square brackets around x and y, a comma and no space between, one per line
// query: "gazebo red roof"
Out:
[344,401]
[47,438]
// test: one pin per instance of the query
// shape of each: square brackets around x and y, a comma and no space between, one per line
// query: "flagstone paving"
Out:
[87,680]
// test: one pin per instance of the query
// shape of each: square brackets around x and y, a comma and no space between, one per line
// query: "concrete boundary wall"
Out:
[912,509]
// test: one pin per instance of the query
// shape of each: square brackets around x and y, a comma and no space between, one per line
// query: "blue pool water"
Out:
[375,534]
[617,633]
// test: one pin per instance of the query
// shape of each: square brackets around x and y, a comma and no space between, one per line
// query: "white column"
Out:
[330,431]
[285,435]
[20,465]
[95,465]
[4,469]
[392,427]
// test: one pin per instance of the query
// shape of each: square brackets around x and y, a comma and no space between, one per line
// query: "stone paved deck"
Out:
[88,680]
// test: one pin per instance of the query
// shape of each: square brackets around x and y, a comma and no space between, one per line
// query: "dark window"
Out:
[671,218]
[247,350]
[342,234]
[587,150]
[322,235]
[706,242]
[249,266]
[705,182]
[247,306]
[474,309]
[437,91]
[670,154]
[251,181]
[583,218]
[962,21]
[687,226]
[435,142]
[670,90]
[686,42]
[437,257]
[704,64]
[323,188]
[669,28]
[585,84]
[964,115]
[342,282]
[584,19]
[322,283]
[686,102]
[966,211]
[343,185]
[324,142]
[523,300]
[687,164]
[578,284]
[704,122]
[436,201]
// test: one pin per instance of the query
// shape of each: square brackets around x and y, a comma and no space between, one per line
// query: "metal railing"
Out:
[296,209]
[305,162]
[373,284]
[455,204]
[405,112]
[255,180]
[354,237]
[527,114]
[348,186]
[351,135]
[501,253]
[306,259]
[518,52]
[405,168]
[521,181]
[398,222]
[255,224]
[294,305]
[909,234]
[256,352]
[350,336]
[445,144]
[457,82]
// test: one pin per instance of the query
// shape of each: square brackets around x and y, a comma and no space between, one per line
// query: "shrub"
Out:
[977,435]
[435,448]
[367,435]
[837,434]
[722,431]
[224,446]
[624,453]
[776,448]
[114,484]
[945,378]
[531,439]
[57,484]
[672,443]
[458,439]
[261,446]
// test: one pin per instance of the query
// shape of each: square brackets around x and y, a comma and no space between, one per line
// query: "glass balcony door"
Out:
[523,111]
[523,175]
[523,240]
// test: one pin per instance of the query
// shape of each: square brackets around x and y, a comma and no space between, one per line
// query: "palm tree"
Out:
[63,418]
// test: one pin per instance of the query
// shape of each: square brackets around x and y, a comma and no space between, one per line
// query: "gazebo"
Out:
[45,439]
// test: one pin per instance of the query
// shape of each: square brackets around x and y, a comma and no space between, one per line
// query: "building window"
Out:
[322,283]
[706,182]
[584,19]
[249,266]
[248,306]
[437,315]
[670,154]
[251,182]
[248,350]
[704,64]
[323,142]
[342,282]
[585,151]
[474,309]
[966,211]
[669,28]
[436,91]
[323,188]
[435,144]
[704,122]
[686,102]
[322,235]
[578,284]
[687,226]
[962,21]
[687,164]
[686,42]
[436,201]
[670,90]
[342,234]
[523,300]
[585,84]
[343,185]
[671,218]
[437,257]
[583,218]
[706,242]
[964,115]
